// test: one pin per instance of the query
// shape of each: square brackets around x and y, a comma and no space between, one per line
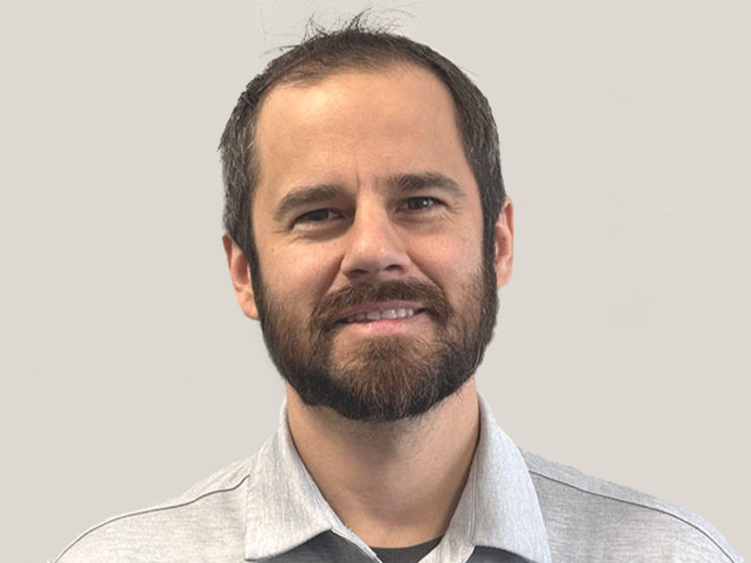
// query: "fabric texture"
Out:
[515,507]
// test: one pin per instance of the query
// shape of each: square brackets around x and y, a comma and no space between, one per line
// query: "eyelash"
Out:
[306,218]
[431,200]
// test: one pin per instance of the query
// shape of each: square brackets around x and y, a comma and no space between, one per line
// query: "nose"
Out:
[374,247]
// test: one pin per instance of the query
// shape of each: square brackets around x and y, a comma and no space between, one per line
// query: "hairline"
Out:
[381,63]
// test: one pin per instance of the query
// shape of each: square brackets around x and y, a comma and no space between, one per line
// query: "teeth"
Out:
[378,315]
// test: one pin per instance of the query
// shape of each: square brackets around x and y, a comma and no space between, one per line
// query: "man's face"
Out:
[375,298]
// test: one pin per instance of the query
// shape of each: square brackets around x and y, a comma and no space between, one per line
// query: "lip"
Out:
[378,307]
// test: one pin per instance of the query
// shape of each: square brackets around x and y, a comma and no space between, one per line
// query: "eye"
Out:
[421,202]
[317,216]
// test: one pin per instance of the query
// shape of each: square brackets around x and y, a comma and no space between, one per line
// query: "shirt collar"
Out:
[499,500]
[498,507]
[285,508]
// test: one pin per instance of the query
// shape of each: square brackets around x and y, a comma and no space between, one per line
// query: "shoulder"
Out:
[586,515]
[177,530]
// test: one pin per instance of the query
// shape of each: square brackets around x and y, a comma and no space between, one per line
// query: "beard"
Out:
[384,378]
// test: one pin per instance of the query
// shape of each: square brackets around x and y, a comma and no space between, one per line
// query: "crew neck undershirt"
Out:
[411,554]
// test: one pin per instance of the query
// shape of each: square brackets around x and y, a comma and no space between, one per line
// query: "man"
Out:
[368,231]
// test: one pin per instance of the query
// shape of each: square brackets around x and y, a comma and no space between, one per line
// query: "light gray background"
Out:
[129,373]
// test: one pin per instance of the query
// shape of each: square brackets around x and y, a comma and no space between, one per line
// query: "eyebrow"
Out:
[417,181]
[305,196]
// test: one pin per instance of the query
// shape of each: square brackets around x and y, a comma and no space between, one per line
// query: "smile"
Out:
[371,316]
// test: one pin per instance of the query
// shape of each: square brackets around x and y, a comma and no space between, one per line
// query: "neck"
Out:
[394,484]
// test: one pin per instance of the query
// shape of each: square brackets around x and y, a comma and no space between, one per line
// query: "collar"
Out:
[498,507]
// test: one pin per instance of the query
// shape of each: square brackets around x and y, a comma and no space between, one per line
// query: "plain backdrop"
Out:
[622,349]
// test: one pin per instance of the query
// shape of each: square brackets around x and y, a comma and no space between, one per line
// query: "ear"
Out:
[504,243]
[240,274]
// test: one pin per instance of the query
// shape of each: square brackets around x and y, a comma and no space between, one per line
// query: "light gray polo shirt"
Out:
[515,507]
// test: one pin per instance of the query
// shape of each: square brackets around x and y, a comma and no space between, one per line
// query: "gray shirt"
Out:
[515,507]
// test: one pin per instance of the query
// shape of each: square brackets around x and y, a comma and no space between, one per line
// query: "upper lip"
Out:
[380,306]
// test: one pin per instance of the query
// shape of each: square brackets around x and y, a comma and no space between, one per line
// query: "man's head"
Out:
[365,199]
[353,47]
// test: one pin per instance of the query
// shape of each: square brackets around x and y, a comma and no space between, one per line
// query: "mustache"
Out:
[329,310]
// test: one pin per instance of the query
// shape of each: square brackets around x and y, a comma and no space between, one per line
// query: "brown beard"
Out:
[385,378]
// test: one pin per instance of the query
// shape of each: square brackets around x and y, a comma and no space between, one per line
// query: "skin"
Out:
[395,484]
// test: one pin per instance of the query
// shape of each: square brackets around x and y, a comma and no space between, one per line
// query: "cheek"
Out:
[301,277]
[448,260]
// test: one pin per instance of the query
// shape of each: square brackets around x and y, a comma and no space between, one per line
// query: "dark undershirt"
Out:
[411,554]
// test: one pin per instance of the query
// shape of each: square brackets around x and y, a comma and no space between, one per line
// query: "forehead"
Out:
[403,88]
[357,123]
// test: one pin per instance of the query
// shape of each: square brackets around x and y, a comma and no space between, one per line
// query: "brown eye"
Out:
[316,216]
[416,203]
